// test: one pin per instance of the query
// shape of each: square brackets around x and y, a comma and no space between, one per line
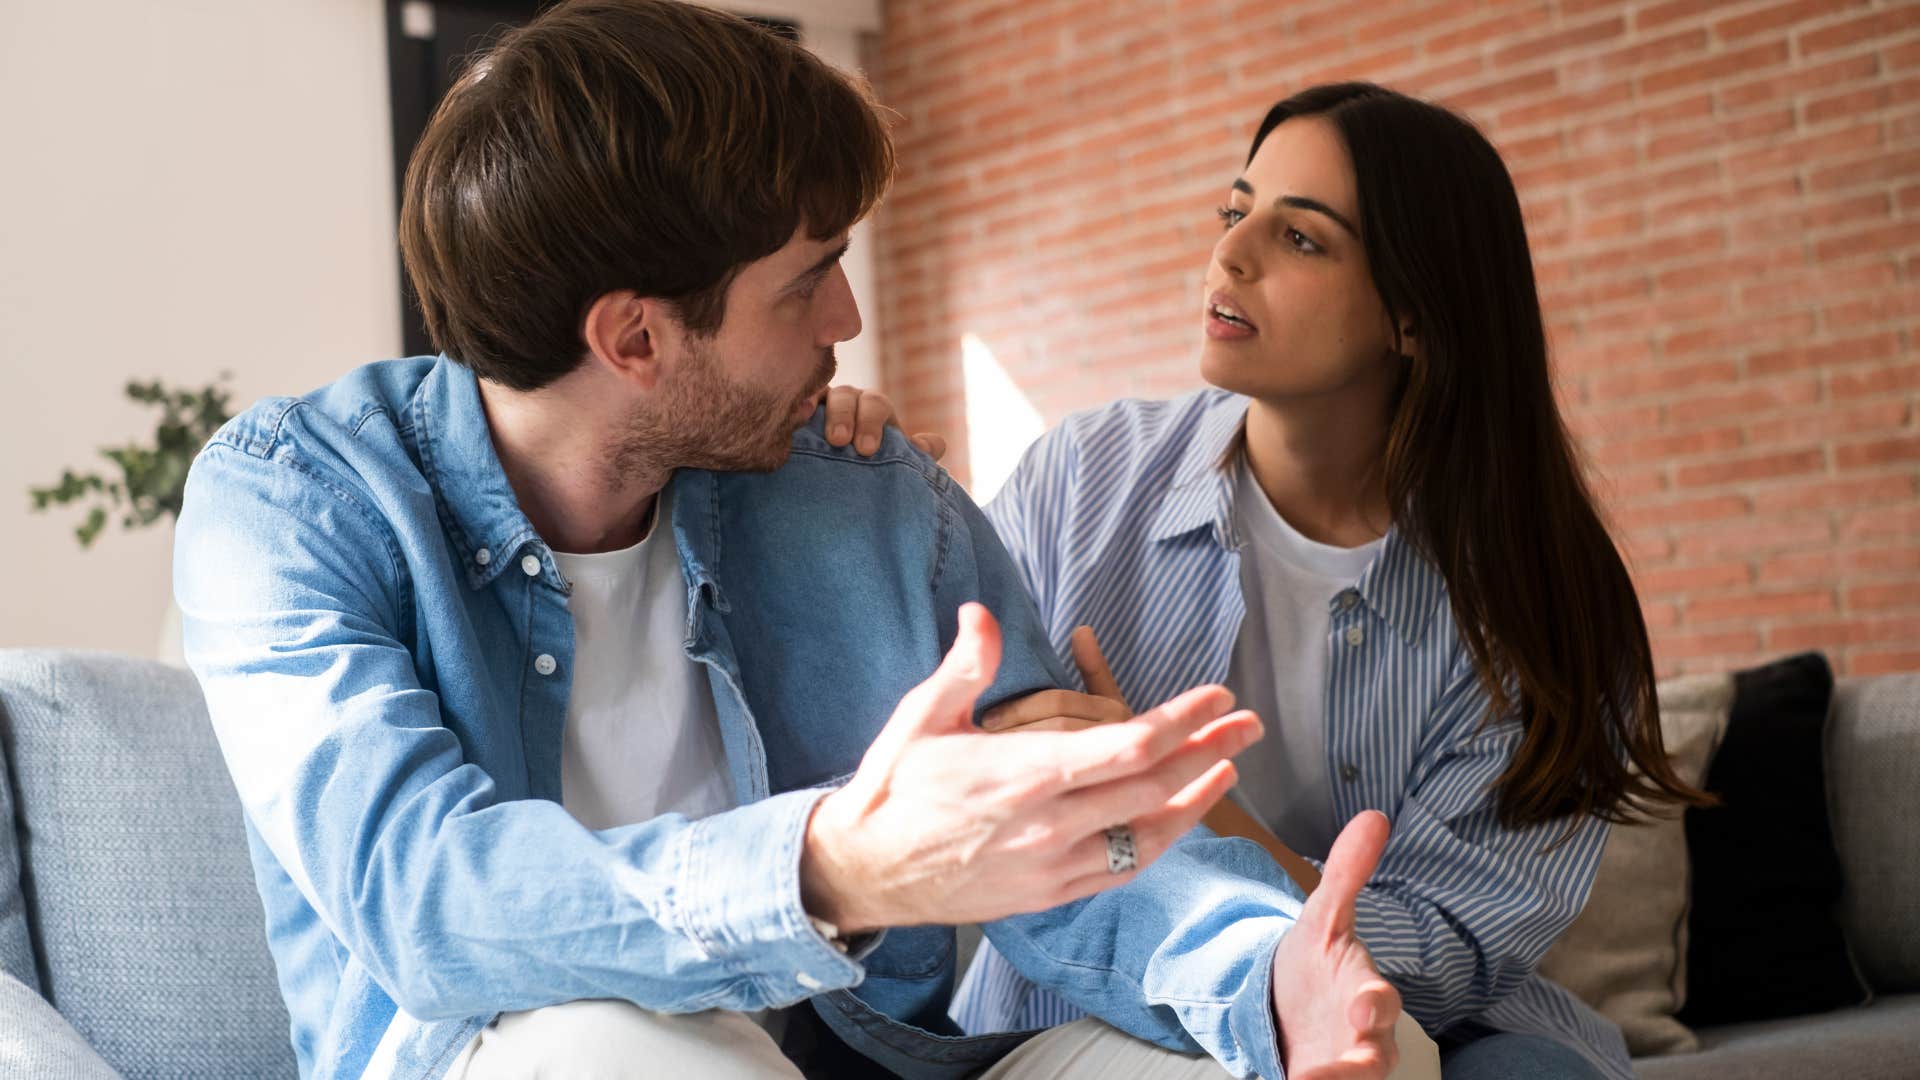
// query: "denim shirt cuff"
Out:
[740,900]
[1250,1018]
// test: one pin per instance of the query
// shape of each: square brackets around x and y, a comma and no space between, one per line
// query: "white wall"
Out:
[185,187]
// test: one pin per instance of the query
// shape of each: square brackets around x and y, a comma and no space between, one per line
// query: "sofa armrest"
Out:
[35,1040]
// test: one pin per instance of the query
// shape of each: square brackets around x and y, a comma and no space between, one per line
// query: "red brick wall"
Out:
[1724,205]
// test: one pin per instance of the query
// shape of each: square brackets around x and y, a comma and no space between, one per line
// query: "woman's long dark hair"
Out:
[1481,474]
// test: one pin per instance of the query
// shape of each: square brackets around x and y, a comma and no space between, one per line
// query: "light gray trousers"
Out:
[591,1040]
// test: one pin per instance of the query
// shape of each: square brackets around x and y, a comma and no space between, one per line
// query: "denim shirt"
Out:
[385,646]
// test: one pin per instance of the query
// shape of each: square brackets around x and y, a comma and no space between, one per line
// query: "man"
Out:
[560,725]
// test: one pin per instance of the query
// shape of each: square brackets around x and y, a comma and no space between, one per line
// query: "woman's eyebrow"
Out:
[1304,203]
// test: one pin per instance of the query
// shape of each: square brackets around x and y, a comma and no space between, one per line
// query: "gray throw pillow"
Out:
[146,922]
[37,1041]
[1626,953]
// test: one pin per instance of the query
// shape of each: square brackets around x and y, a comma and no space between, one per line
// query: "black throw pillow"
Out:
[1764,941]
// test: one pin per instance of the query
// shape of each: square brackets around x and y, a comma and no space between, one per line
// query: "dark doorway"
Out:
[428,45]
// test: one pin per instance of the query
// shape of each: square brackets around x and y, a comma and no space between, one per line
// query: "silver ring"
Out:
[1121,856]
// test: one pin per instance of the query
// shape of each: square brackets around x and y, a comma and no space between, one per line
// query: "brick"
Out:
[1823,425]
[1722,134]
[1403,23]
[1848,211]
[1555,109]
[1828,493]
[1736,62]
[1751,398]
[1688,579]
[1799,81]
[1758,606]
[1902,237]
[1882,661]
[1874,169]
[1780,15]
[1736,334]
[1506,24]
[1654,15]
[1882,24]
[1854,103]
[1892,378]
[1683,512]
[1658,380]
[1847,351]
[1804,151]
[1638,56]
[1797,288]
[1765,466]
[1885,522]
[1864,455]
[1904,594]
[1830,634]
[1559,41]
[1684,644]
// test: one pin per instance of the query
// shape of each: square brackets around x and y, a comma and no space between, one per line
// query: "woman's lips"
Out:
[1225,321]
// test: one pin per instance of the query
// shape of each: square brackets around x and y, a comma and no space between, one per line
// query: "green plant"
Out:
[152,477]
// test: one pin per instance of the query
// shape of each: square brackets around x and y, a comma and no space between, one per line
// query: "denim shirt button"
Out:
[483,556]
[544,664]
[531,564]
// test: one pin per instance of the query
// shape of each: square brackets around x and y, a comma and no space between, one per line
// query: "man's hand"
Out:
[1064,710]
[858,416]
[945,824]
[1335,1013]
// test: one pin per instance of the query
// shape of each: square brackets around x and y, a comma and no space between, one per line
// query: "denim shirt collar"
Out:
[1400,585]
[481,514]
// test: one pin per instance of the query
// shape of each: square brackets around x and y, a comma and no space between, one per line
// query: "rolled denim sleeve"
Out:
[1181,956]
[1461,909]
[457,901]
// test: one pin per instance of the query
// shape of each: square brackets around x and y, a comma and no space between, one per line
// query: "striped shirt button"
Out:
[1349,772]
[1355,635]
[1348,599]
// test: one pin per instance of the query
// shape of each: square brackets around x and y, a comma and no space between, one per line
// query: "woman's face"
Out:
[1290,310]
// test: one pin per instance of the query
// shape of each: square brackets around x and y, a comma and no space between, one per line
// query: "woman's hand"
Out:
[858,416]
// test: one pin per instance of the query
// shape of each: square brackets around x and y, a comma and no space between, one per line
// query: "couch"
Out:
[132,941]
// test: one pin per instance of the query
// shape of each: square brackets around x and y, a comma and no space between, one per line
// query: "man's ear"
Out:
[622,334]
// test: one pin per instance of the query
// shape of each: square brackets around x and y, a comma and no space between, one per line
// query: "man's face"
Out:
[732,401]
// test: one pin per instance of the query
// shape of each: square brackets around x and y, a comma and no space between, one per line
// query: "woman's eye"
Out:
[1228,216]
[1301,242]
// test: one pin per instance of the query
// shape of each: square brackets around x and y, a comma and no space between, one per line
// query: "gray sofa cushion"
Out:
[36,1041]
[1873,788]
[16,947]
[134,866]
[1880,1041]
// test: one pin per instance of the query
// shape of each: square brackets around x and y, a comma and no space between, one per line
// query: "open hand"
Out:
[945,824]
[1335,1012]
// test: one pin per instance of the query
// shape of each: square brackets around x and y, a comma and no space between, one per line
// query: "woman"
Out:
[1375,531]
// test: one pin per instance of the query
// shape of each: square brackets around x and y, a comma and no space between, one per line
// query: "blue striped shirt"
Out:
[1122,518]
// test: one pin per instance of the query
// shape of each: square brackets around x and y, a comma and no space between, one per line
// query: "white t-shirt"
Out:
[1279,666]
[642,738]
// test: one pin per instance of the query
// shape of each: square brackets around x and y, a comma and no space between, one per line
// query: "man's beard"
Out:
[705,420]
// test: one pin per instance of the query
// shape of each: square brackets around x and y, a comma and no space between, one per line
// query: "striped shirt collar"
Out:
[1400,585]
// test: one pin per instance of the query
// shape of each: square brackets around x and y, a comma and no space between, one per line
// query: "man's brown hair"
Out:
[623,144]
